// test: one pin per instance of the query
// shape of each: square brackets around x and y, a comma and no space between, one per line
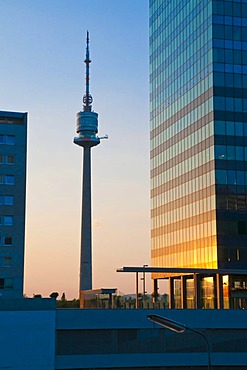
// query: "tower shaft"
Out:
[86,222]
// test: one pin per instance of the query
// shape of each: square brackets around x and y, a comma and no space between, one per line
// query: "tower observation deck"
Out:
[87,129]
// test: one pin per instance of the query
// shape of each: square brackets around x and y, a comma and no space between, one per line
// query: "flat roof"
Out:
[180,270]
[27,304]
[8,114]
[101,291]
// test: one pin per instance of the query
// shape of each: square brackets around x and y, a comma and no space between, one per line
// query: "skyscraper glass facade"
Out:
[198,109]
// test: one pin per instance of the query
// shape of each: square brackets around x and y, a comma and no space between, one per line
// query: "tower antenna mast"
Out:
[87,98]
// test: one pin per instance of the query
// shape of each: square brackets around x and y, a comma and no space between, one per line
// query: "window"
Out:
[227,228]
[239,153]
[219,103]
[9,179]
[231,177]
[219,127]
[8,240]
[242,228]
[7,261]
[240,177]
[230,104]
[220,152]
[231,152]
[221,177]
[8,220]
[7,139]
[8,283]
[8,200]
[237,284]
[10,139]
[230,128]
[10,159]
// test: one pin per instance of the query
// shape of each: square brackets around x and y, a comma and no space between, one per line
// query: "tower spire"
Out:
[87,98]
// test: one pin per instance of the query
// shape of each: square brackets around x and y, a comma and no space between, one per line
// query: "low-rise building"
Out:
[34,335]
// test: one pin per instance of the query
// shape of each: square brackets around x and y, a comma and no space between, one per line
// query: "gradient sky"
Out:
[42,72]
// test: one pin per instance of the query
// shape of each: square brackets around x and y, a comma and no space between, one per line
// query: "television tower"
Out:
[87,129]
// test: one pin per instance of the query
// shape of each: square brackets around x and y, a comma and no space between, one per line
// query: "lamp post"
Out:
[179,328]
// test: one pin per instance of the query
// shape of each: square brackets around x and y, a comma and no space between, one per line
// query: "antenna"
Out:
[87,98]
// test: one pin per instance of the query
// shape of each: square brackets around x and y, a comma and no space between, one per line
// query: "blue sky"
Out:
[42,72]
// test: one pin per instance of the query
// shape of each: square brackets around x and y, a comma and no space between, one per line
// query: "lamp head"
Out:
[167,323]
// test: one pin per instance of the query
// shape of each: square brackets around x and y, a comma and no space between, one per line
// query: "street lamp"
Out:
[179,328]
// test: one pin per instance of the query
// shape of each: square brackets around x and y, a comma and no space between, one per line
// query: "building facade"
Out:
[126,339]
[198,104]
[13,148]
[74,339]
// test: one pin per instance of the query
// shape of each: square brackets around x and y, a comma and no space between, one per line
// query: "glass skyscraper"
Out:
[198,109]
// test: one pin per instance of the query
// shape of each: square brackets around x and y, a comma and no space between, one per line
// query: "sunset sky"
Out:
[42,72]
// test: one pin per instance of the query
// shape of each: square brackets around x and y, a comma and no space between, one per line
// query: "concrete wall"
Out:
[34,335]
[114,339]
[27,336]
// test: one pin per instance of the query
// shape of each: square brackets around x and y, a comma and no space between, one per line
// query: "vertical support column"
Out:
[183,292]
[171,292]
[86,239]
[155,290]
[197,303]
[219,291]
[144,281]
[137,293]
